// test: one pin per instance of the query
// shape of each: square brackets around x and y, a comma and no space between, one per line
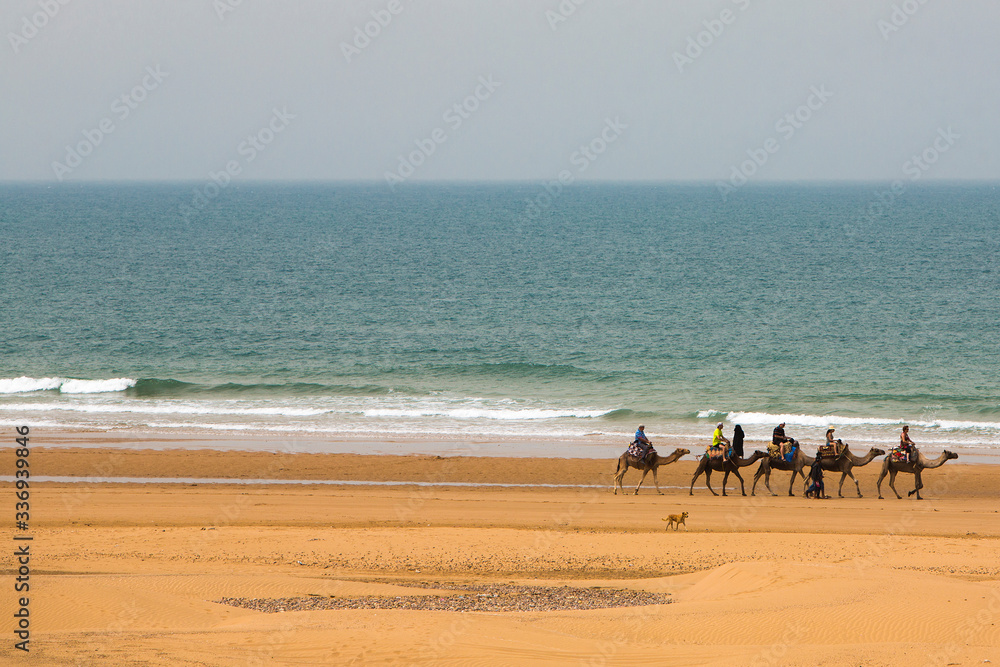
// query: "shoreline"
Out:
[173,467]
[473,446]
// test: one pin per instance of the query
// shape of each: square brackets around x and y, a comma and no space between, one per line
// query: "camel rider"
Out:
[780,439]
[833,443]
[643,442]
[718,440]
[908,445]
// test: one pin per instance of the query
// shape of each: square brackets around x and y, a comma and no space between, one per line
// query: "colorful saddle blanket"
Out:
[830,451]
[717,453]
[900,455]
[637,450]
[774,451]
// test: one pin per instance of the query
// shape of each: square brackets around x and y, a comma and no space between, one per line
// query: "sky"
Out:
[421,90]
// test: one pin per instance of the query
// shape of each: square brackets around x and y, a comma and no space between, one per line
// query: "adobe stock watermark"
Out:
[454,116]
[972,630]
[30,25]
[581,158]
[122,107]
[363,35]
[248,149]
[562,12]
[787,126]
[914,168]
[223,7]
[899,16]
[697,43]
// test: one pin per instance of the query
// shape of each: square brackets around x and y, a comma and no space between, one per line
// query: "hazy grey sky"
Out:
[181,89]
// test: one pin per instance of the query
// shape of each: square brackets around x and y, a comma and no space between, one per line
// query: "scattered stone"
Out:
[490,598]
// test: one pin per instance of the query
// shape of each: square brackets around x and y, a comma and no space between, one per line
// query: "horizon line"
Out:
[426,182]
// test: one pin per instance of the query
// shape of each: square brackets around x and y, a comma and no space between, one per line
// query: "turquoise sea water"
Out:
[445,312]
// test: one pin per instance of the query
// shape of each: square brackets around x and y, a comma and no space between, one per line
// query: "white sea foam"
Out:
[343,408]
[372,431]
[26,384]
[95,386]
[819,421]
[23,385]
[484,413]
[824,421]
[140,407]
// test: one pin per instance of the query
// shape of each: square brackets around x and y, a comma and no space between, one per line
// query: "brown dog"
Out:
[676,520]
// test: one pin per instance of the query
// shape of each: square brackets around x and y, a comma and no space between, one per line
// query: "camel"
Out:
[796,465]
[626,461]
[844,464]
[892,467]
[707,465]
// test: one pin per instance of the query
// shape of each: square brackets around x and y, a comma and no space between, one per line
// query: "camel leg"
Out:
[644,472]
[878,484]
[791,482]
[743,488]
[918,484]
[694,479]
[857,486]
[708,482]
[767,480]
[892,483]
[697,473]
[656,483]
[619,476]
[725,480]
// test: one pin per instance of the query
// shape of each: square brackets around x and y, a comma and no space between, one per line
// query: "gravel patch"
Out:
[493,597]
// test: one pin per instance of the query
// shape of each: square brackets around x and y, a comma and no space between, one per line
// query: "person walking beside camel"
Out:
[738,437]
[815,489]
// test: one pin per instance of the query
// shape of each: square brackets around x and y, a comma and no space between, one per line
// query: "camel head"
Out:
[681,452]
[949,455]
[877,452]
[757,455]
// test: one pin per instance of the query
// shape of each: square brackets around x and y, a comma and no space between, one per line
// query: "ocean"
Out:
[545,324]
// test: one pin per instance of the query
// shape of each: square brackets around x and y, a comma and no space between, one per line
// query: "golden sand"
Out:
[128,574]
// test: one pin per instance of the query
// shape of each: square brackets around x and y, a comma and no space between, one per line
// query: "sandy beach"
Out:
[135,573]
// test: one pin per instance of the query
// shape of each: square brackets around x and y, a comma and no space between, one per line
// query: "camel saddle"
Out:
[831,451]
[637,450]
[774,451]
[900,454]
[717,453]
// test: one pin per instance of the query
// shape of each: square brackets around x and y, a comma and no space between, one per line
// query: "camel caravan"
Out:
[784,454]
